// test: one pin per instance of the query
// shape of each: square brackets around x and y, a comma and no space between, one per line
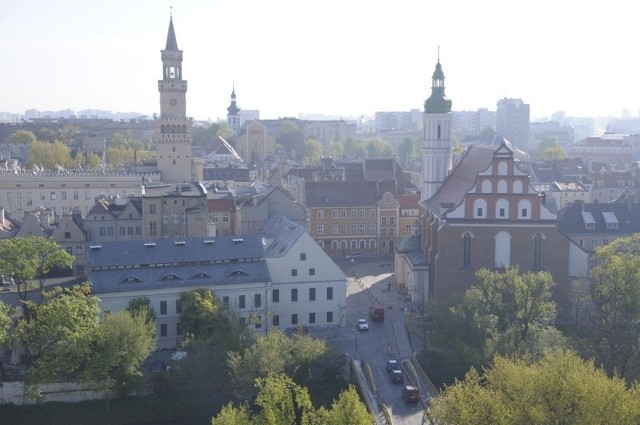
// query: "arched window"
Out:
[538,240]
[321,243]
[487,186]
[502,186]
[517,186]
[363,244]
[503,168]
[503,250]
[502,209]
[466,249]
[372,244]
[479,208]
[524,209]
[343,244]
[354,244]
[334,245]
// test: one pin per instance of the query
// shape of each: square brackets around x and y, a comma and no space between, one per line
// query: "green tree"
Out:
[273,353]
[281,401]
[205,134]
[20,137]
[560,388]
[119,156]
[312,151]
[200,314]
[49,155]
[46,135]
[92,160]
[355,148]
[124,340]
[347,409]
[547,143]
[554,152]
[59,338]
[612,324]
[31,258]
[142,305]
[224,131]
[506,313]
[336,149]
[233,415]
[290,136]
[67,134]
[408,150]
[379,149]
[5,324]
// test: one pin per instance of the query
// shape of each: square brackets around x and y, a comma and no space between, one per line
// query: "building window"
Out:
[312,294]
[294,295]
[466,250]
[501,213]
[312,272]
[524,212]
[67,235]
[163,329]
[343,229]
[354,213]
[383,220]
[152,228]
[294,319]
[362,229]
[334,229]
[258,323]
[225,302]
[479,212]
[275,320]
[392,221]
[329,316]
[343,213]
[163,307]
[361,213]
[320,229]
[334,213]
[312,318]
[329,293]
[294,272]
[275,296]
[320,214]
[241,301]
[178,307]
[257,300]
[152,209]
[303,256]
[537,251]
[354,229]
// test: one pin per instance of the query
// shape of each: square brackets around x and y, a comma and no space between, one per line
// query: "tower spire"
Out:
[172,43]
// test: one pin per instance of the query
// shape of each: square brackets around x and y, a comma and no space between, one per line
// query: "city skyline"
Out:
[287,58]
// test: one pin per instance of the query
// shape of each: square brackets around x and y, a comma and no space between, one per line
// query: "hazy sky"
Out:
[337,57]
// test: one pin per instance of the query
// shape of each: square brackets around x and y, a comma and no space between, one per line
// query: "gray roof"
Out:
[179,276]
[186,250]
[571,219]
[477,158]
[281,234]
[177,263]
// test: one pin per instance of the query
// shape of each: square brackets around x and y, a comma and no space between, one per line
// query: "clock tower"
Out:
[173,130]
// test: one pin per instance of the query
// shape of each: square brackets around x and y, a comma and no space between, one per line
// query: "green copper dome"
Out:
[437,102]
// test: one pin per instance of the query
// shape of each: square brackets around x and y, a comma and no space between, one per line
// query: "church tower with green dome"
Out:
[436,137]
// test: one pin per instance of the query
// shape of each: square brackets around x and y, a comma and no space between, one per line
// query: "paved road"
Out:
[369,283]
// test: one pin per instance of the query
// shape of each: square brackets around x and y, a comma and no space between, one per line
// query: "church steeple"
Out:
[172,43]
[233,112]
[437,103]
[436,142]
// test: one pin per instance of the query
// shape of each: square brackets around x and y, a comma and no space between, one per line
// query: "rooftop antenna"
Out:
[438,54]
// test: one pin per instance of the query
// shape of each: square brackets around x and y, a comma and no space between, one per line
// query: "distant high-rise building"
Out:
[512,121]
[173,129]
[436,141]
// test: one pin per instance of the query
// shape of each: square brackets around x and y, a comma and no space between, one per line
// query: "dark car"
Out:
[392,365]
[410,394]
[396,376]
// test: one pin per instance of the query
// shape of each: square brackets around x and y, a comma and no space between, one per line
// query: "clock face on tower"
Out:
[173,102]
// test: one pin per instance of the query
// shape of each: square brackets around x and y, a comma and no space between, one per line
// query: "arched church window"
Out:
[502,186]
[517,186]
[487,186]
[502,250]
[538,240]
[503,168]
[466,249]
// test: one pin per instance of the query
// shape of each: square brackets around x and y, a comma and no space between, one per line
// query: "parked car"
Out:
[396,376]
[392,365]
[363,325]
[410,394]
[353,256]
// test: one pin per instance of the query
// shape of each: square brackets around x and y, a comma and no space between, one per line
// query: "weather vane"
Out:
[171,11]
